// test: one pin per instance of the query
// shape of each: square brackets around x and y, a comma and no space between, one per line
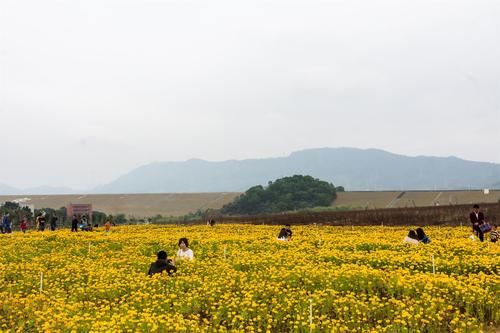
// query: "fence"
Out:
[435,215]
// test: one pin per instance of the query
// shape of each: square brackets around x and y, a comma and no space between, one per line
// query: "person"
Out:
[41,222]
[184,251]
[83,223]
[285,233]
[422,237]
[24,225]
[53,222]
[107,226]
[494,234]
[162,264]
[6,224]
[74,224]
[412,238]
[476,219]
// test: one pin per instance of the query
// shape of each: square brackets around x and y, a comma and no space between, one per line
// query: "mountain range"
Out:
[355,169]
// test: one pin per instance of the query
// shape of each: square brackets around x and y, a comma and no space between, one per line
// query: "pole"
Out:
[310,314]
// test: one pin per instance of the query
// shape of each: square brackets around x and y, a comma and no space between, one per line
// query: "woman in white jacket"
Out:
[184,251]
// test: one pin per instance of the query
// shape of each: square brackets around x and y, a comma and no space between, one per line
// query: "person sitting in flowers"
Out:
[494,234]
[412,238]
[285,233]
[184,251]
[422,237]
[162,264]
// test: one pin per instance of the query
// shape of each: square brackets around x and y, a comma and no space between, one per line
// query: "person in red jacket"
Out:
[24,225]
[476,219]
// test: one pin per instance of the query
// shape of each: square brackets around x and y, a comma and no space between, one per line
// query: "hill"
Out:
[355,169]
[178,204]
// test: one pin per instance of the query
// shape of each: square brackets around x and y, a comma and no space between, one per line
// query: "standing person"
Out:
[6,224]
[53,222]
[162,264]
[107,226]
[285,233]
[494,234]
[477,218]
[184,251]
[74,224]
[41,222]
[24,225]
[422,237]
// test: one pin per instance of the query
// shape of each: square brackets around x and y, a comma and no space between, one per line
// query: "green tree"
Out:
[285,194]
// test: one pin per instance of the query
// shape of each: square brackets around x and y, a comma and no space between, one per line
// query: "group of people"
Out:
[40,220]
[83,224]
[163,264]
[480,225]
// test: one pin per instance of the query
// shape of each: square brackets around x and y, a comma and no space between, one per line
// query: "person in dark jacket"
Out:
[162,264]
[422,237]
[41,221]
[476,219]
[74,224]
[285,233]
[53,222]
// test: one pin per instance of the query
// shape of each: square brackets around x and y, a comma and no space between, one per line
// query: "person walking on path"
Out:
[476,219]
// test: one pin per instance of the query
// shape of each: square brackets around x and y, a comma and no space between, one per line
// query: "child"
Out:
[24,225]
[494,234]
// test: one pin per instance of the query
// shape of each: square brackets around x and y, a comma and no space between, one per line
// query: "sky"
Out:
[92,89]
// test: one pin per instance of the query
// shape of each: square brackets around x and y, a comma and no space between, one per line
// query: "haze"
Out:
[92,89]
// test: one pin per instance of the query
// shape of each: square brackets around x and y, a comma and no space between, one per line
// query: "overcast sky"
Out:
[91,89]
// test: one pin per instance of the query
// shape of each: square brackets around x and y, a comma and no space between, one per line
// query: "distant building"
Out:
[80,210]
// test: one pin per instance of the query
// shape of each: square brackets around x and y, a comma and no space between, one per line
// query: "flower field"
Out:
[360,279]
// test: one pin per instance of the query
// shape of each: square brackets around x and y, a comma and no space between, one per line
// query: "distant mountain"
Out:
[355,169]
[9,190]
[6,189]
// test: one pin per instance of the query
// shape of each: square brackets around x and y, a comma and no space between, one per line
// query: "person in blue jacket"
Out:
[6,224]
